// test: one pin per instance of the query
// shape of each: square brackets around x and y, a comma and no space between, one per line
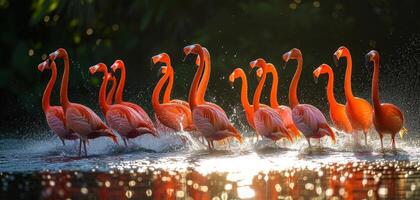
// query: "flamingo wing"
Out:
[177,101]
[55,120]
[306,118]
[174,115]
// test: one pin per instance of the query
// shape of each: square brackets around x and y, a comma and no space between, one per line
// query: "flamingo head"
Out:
[292,54]
[372,56]
[341,51]
[195,49]
[258,63]
[59,53]
[118,64]
[259,73]
[235,74]
[44,65]
[100,67]
[163,58]
[163,70]
[322,69]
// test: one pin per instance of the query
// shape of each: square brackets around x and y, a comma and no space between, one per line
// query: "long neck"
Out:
[273,94]
[47,92]
[347,81]
[205,78]
[293,100]
[111,92]
[156,91]
[258,90]
[64,100]
[192,97]
[330,89]
[120,89]
[244,96]
[168,90]
[102,95]
[375,85]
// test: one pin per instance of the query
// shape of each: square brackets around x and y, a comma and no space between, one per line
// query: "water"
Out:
[177,166]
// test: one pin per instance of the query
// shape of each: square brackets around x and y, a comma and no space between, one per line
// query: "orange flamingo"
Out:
[308,119]
[284,111]
[358,110]
[268,122]
[110,95]
[54,114]
[208,118]
[387,118]
[173,114]
[123,119]
[119,64]
[79,118]
[338,113]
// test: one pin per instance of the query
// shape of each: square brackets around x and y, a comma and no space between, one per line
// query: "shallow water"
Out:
[179,166]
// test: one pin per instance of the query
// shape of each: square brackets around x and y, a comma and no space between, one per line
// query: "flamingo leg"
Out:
[309,142]
[125,142]
[365,133]
[212,144]
[62,141]
[80,147]
[382,141]
[84,147]
[208,144]
[393,142]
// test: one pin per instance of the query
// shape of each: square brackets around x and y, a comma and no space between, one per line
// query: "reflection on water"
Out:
[358,180]
[169,168]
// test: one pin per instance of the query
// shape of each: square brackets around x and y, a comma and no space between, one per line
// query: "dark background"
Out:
[234,32]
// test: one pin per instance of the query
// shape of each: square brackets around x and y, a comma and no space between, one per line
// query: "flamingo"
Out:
[54,114]
[119,64]
[308,119]
[79,118]
[123,119]
[284,111]
[338,113]
[358,110]
[208,118]
[387,118]
[172,113]
[268,122]
[110,95]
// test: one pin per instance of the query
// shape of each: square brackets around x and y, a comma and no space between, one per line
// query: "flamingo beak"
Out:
[114,67]
[188,51]
[42,66]
[316,73]
[232,79]
[156,59]
[53,55]
[285,59]
[93,69]
[337,56]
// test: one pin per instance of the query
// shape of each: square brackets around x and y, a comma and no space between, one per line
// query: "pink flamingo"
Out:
[54,114]
[123,119]
[284,111]
[209,119]
[119,64]
[358,110]
[172,113]
[79,118]
[387,118]
[338,113]
[268,122]
[308,119]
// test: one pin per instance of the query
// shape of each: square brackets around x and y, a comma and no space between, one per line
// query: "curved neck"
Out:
[64,100]
[168,90]
[206,76]
[293,100]
[273,94]
[111,92]
[375,85]
[330,88]
[47,92]
[258,90]
[156,91]
[244,94]
[347,81]
[102,95]
[192,97]
[120,89]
